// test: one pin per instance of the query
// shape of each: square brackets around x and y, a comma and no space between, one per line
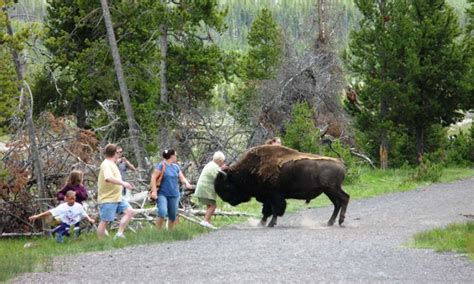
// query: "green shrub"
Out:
[428,170]
[460,151]
[301,132]
[353,168]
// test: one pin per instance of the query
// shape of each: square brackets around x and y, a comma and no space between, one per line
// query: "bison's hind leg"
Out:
[344,197]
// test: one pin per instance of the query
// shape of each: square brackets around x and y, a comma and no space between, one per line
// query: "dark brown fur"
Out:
[272,174]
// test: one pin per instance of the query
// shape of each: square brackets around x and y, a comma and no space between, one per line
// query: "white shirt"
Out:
[69,214]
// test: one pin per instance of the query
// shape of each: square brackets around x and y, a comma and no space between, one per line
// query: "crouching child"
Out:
[70,213]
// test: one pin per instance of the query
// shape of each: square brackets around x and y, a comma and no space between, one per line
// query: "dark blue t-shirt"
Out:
[169,184]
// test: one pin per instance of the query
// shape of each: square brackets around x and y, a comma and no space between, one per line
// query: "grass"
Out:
[457,238]
[16,259]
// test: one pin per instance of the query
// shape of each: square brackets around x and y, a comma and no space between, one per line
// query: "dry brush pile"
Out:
[62,148]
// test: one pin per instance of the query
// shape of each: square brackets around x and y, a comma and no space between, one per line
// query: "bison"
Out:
[273,173]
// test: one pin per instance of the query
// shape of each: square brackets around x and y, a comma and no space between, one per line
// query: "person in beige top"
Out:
[109,196]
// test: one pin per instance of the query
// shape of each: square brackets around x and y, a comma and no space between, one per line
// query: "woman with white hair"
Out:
[205,191]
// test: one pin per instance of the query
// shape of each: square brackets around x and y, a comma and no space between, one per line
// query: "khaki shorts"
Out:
[206,201]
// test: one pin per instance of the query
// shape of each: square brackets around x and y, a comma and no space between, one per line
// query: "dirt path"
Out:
[300,249]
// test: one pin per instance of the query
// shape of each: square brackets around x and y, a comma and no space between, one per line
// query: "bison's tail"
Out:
[329,143]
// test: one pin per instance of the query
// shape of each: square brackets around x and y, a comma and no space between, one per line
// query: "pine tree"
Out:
[469,54]
[265,44]
[301,132]
[409,62]
[375,58]
[8,81]
[8,89]
[434,80]
[82,59]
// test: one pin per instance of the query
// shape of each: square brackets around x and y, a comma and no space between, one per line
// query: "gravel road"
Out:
[371,248]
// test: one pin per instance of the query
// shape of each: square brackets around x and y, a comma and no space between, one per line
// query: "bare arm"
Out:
[183,179]
[119,182]
[90,219]
[129,165]
[34,217]
[156,173]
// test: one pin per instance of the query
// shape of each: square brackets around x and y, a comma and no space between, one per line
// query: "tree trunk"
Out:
[163,65]
[163,133]
[383,133]
[321,38]
[38,172]
[80,112]
[132,125]
[383,152]
[420,143]
[383,114]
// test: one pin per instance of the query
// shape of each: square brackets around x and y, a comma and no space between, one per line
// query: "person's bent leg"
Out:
[107,214]
[159,222]
[124,207]
[173,203]
[211,208]
[60,231]
[101,229]
[128,214]
[161,210]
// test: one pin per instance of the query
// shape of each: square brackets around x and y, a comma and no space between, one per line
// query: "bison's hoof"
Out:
[262,223]
[340,222]
[330,222]
[271,224]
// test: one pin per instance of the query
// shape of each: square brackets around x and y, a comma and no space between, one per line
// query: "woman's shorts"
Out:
[107,211]
[167,206]
[206,201]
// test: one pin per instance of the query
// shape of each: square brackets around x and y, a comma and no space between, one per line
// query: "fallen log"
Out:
[21,234]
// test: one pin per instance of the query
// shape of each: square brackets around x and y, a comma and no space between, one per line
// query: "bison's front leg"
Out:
[273,222]
[278,204]
[266,210]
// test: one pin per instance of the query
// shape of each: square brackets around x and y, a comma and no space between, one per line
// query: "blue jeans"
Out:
[167,206]
[107,211]
[63,229]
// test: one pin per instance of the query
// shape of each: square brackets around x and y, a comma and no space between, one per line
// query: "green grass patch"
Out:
[15,259]
[457,238]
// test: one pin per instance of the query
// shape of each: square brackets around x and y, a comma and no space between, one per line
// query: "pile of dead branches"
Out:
[62,148]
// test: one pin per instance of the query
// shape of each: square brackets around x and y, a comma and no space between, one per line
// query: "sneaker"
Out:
[59,239]
[119,236]
[207,225]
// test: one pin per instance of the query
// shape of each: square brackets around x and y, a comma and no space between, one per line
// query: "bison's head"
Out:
[226,188]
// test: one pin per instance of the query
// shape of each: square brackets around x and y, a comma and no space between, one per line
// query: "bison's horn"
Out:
[222,172]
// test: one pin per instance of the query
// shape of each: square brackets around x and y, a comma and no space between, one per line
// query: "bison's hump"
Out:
[266,161]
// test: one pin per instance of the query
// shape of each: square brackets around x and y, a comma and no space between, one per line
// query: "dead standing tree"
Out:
[132,124]
[315,78]
[203,131]
[23,87]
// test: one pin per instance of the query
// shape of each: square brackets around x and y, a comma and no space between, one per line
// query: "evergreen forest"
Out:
[383,84]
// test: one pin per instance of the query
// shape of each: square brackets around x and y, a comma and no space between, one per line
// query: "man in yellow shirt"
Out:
[109,196]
